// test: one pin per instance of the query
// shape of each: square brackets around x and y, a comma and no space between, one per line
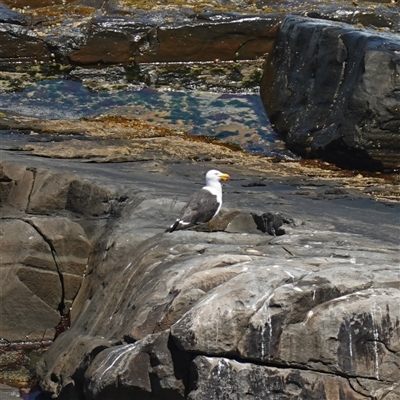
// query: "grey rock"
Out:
[55,244]
[260,307]
[16,185]
[71,364]
[49,191]
[11,17]
[22,244]
[311,313]
[44,284]
[42,263]
[322,93]
[217,332]
[222,378]
[24,315]
[308,311]
[8,392]
[68,241]
[144,369]
[40,191]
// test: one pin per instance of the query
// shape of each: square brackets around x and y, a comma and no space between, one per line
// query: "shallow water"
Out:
[36,395]
[233,118]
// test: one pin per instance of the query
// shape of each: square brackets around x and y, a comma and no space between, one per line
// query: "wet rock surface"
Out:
[349,114]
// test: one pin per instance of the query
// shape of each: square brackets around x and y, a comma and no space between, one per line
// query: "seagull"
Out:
[204,204]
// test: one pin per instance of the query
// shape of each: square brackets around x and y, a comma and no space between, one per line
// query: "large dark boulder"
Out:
[333,90]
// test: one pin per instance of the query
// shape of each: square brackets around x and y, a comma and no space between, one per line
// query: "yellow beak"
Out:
[224,177]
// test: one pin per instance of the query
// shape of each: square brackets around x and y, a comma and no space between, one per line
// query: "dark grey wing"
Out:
[201,207]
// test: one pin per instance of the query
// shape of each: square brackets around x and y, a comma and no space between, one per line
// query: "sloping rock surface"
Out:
[349,112]
[299,270]
[198,314]
[295,301]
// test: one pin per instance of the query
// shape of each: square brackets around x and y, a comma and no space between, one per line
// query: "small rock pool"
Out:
[235,118]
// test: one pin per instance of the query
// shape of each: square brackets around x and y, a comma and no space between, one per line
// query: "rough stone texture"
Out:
[68,241]
[311,313]
[44,284]
[40,191]
[109,41]
[118,34]
[49,192]
[243,38]
[85,350]
[144,368]
[19,44]
[322,92]
[21,243]
[222,378]
[293,313]
[121,39]
[15,185]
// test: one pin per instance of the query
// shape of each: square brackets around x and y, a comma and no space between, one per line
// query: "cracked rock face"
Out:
[43,257]
[294,293]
